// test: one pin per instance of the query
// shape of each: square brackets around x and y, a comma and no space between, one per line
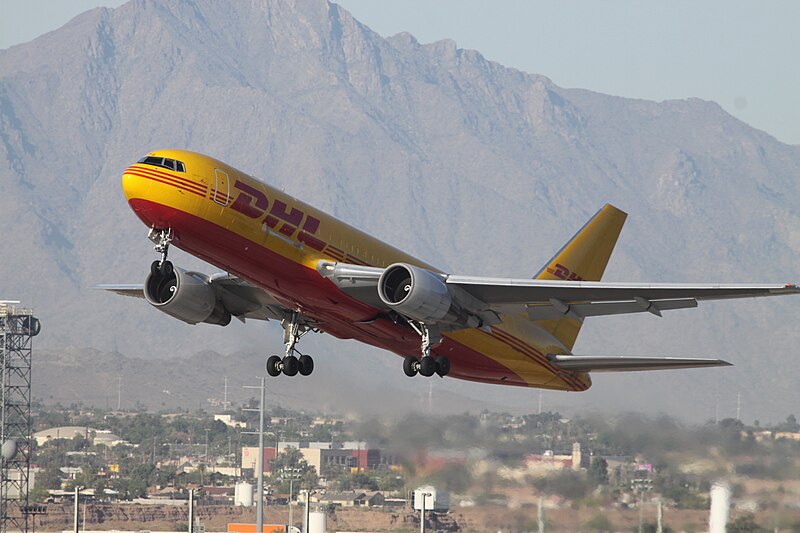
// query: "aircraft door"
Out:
[222,189]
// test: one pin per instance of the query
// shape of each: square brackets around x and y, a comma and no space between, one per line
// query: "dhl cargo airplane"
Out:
[286,261]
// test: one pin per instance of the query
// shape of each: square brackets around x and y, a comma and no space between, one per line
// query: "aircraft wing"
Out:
[241,298]
[548,300]
[624,363]
[545,300]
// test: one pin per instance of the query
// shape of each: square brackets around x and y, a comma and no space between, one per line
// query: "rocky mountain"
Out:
[472,166]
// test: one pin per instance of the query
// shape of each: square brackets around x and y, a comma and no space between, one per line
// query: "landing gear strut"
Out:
[426,365]
[294,327]
[161,239]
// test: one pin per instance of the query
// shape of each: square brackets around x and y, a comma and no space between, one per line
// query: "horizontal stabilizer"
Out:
[129,289]
[624,363]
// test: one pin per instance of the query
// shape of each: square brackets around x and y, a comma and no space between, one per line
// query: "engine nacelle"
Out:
[185,295]
[417,293]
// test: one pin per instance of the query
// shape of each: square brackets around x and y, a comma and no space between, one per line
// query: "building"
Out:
[95,436]
[434,499]
[229,421]
[324,456]
[347,499]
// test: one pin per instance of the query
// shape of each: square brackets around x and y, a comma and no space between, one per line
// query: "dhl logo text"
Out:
[253,203]
[562,272]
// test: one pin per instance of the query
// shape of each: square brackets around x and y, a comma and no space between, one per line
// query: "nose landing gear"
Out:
[294,327]
[161,238]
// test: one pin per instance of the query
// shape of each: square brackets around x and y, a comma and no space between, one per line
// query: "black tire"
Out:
[427,366]
[290,365]
[273,366]
[167,269]
[155,266]
[410,366]
[306,363]
[442,365]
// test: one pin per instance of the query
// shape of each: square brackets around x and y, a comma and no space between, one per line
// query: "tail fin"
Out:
[583,258]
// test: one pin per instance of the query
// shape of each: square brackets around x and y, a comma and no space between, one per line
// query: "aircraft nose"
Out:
[128,183]
[137,191]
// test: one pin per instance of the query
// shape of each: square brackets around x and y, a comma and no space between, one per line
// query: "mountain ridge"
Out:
[469,165]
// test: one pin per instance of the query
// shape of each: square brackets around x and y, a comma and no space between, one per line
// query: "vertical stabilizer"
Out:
[583,258]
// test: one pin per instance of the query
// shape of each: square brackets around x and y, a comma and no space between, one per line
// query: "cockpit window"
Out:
[163,162]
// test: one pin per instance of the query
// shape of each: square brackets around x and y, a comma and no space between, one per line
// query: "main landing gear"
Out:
[161,239]
[294,327]
[426,365]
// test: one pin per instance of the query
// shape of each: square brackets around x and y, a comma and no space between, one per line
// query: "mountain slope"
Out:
[472,166]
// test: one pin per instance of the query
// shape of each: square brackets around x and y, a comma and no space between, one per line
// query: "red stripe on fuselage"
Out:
[526,349]
[185,181]
[166,181]
[302,288]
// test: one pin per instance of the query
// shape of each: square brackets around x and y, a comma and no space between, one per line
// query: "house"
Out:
[349,498]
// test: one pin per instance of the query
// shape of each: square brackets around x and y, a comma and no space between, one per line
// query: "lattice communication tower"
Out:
[18,326]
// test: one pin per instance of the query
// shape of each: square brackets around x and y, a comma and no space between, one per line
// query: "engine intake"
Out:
[185,295]
[417,293]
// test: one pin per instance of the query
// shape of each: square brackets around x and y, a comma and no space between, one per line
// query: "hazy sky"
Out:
[741,54]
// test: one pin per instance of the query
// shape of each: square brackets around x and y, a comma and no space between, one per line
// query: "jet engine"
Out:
[185,295]
[417,293]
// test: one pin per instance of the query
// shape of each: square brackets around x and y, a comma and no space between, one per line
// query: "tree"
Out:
[745,524]
[598,471]
[599,523]
[290,465]
[49,478]
[570,485]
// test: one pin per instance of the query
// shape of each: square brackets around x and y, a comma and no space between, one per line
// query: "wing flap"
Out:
[623,363]
[554,311]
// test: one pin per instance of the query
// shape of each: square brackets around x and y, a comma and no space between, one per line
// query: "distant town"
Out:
[488,471]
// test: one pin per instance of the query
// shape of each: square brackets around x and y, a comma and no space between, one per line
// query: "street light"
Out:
[308,512]
[78,490]
[293,474]
[422,511]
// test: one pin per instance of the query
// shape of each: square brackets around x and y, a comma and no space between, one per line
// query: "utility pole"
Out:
[660,518]
[430,396]
[260,458]
[225,398]
[738,405]
[76,510]
[119,393]
[191,510]
[307,523]
[206,461]
[540,515]
[291,481]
